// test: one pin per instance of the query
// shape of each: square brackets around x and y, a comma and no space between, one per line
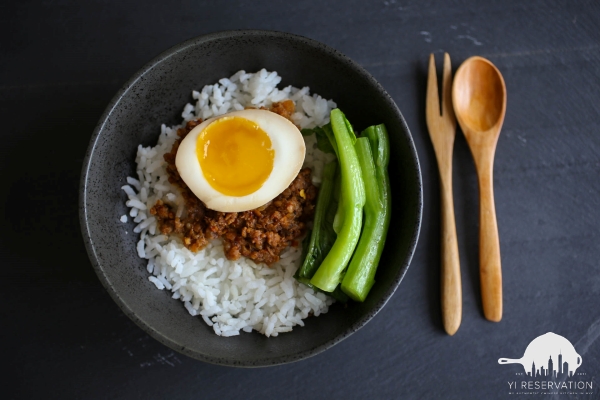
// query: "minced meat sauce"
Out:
[260,234]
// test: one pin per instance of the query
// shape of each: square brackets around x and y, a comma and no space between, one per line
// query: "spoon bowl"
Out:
[479,99]
[479,95]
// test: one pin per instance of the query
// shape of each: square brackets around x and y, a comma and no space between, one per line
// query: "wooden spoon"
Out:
[479,98]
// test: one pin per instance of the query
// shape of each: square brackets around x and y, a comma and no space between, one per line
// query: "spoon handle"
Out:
[450,275]
[489,245]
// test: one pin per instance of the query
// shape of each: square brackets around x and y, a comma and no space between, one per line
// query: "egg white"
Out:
[286,141]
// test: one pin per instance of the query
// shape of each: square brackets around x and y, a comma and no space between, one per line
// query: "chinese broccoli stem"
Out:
[322,235]
[352,199]
[321,239]
[373,154]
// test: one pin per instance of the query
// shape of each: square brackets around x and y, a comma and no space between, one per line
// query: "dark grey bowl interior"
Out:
[155,95]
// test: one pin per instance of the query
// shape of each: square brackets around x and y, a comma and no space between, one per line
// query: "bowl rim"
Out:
[87,231]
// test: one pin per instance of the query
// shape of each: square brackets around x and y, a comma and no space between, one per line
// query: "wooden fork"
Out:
[442,130]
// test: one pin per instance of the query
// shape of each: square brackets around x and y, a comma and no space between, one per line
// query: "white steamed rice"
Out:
[228,295]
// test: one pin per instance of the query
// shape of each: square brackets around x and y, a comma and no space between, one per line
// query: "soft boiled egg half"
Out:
[241,160]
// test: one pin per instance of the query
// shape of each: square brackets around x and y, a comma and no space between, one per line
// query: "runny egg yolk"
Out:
[235,155]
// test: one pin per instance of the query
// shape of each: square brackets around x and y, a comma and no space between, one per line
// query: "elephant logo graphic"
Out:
[549,355]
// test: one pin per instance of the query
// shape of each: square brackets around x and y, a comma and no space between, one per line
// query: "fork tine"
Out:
[432,108]
[447,108]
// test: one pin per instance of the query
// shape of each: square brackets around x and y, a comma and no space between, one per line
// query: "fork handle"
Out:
[451,290]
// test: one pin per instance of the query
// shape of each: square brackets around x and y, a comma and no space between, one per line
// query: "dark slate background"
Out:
[62,61]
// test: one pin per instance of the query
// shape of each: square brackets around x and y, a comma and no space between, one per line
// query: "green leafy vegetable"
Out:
[322,236]
[323,142]
[373,155]
[345,265]
[352,200]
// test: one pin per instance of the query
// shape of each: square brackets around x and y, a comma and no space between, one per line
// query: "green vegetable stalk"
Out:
[322,236]
[373,154]
[352,200]
[317,244]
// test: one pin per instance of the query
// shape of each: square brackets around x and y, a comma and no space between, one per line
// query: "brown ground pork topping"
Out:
[260,234]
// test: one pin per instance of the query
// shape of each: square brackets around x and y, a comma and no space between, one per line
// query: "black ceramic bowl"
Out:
[156,94]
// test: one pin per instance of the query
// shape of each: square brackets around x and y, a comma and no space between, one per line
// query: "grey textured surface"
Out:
[61,63]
